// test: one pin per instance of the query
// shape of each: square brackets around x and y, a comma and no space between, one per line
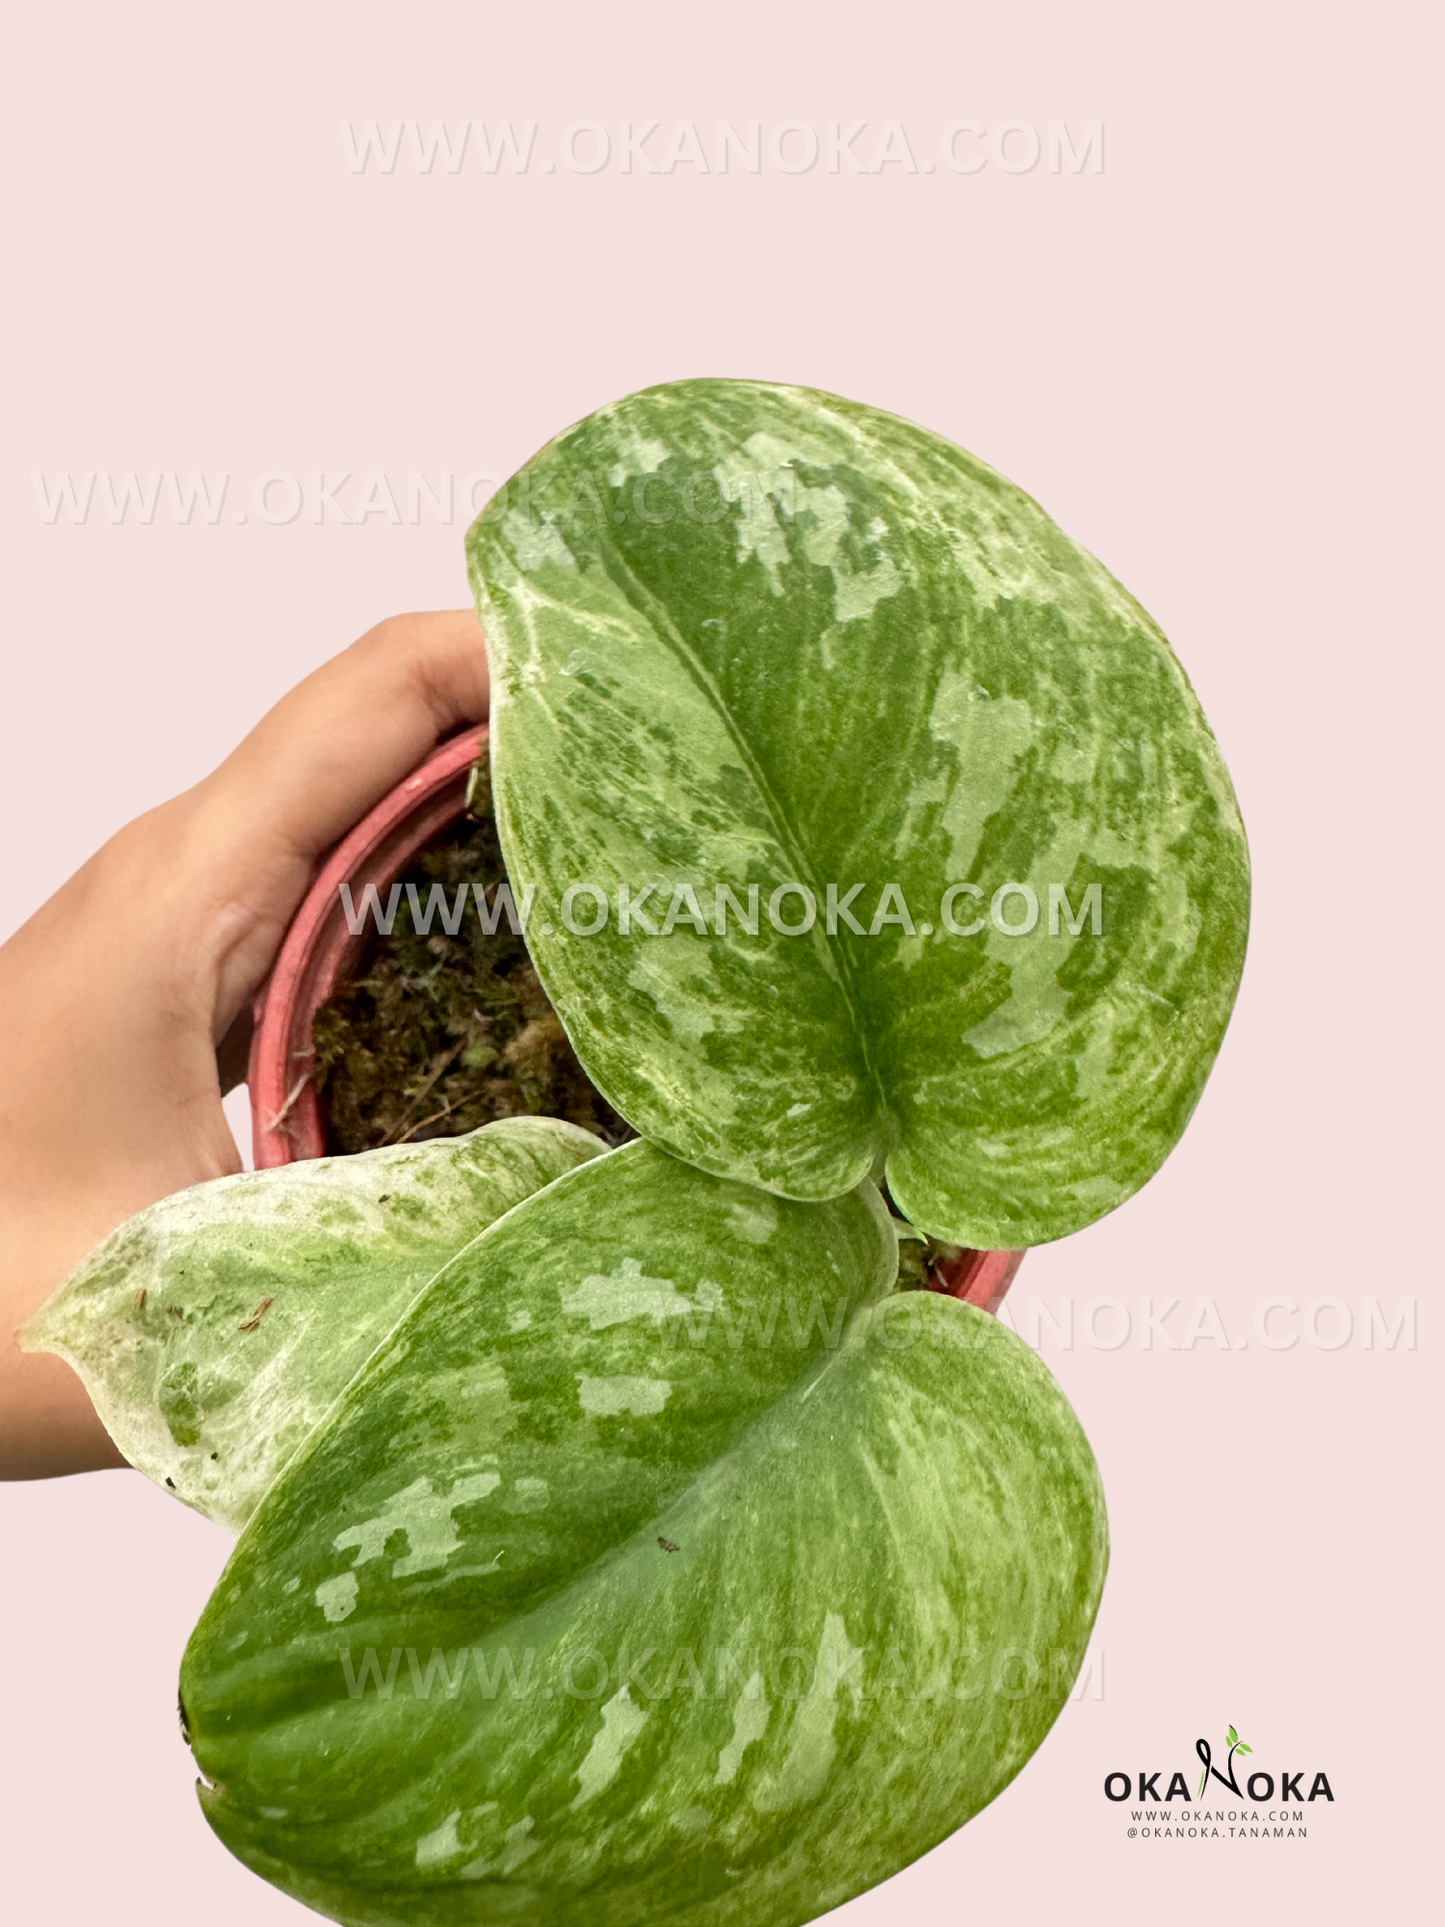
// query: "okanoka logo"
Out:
[1229,1774]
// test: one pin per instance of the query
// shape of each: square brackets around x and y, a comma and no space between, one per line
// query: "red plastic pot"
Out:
[319,952]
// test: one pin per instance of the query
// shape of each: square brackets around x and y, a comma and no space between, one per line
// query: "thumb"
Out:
[336,744]
[310,770]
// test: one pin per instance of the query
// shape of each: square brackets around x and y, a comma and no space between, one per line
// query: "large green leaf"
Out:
[659,1568]
[214,1330]
[752,635]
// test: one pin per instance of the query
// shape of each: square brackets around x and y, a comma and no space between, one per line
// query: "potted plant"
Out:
[323,953]
[620,1542]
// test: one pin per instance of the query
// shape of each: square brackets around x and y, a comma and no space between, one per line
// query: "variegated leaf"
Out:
[762,638]
[214,1330]
[662,1567]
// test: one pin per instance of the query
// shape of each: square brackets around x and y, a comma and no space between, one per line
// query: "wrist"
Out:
[108,1101]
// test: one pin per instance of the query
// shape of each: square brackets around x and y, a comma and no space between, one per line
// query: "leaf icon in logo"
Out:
[1226,1778]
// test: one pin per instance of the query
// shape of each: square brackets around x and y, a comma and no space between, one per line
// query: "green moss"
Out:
[435,1034]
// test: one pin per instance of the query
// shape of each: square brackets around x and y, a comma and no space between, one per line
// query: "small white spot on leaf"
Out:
[750,1722]
[529,1495]
[622,1721]
[337,1597]
[627,1293]
[610,1397]
[755,1223]
[425,1516]
[441,1844]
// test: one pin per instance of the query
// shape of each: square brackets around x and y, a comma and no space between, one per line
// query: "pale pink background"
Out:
[1213,364]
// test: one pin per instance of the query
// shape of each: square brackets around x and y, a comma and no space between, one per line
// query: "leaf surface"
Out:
[764,638]
[214,1330]
[663,1566]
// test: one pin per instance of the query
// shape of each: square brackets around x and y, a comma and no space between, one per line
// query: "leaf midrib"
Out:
[656,615]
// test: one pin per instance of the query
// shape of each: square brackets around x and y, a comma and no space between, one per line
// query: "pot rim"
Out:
[285,1117]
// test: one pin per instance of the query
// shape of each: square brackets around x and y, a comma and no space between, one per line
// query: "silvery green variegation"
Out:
[620,1545]
[765,640]
[215,1330]
[662,1566]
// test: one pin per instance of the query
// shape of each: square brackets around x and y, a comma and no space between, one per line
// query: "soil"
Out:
[435,1035]
[919,1257]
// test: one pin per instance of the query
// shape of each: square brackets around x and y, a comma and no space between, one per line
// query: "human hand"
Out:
[116,993]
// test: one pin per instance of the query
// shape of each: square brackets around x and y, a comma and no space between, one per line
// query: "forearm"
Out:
[108,1101]
[115,994]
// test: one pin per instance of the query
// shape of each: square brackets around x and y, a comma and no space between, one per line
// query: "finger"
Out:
[248,837]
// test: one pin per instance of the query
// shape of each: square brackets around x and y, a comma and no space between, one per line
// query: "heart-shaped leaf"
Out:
[214,1330]
[658,1568]
[762,640]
